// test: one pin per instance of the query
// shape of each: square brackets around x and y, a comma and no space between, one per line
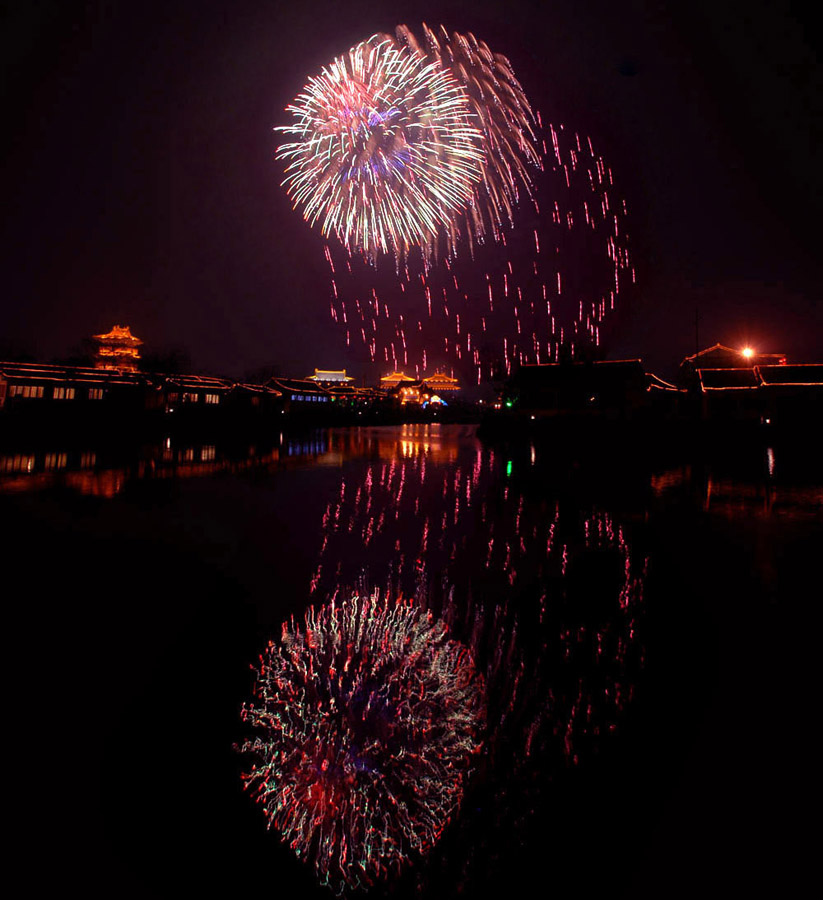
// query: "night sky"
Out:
[139,185]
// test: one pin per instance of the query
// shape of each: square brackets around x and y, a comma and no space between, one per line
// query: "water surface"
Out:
[647,633]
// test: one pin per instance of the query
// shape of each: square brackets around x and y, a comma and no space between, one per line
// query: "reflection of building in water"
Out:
[89,472]
[746,488]
[105,473]
[407,441]
[117,349]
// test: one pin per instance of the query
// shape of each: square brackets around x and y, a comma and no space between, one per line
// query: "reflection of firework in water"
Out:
[385,154]
[556,589]
[544,589]
[369,719]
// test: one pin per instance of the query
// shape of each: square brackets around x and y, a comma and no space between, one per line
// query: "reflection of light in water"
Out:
[84,472]
[770,461]
[412,438]
[367,720]
[673,478]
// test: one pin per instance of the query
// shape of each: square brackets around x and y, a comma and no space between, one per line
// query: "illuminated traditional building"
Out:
[117,349]
[389,382]
[720,357]
[440,383]
[410,393]
[330,376]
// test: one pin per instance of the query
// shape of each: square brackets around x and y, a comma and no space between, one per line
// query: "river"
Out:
[644,635]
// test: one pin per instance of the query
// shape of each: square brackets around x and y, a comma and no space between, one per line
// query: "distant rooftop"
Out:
[328,376]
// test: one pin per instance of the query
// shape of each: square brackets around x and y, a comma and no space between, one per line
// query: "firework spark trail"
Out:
[369,719]
[502,112]
[543,290]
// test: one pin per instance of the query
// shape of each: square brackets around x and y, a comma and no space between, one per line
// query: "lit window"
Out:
[95,393]
[212,398]
[55,460]
[64,393]
[19,463]
[207,452]
[88,460]
[30,391]
[189,397]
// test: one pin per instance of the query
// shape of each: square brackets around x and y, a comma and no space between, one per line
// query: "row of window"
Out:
[192,397]
[316,398]
[37,391]
[207,453]
[25,462]
[26,390]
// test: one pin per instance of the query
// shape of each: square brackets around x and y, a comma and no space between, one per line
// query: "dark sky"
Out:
[139,185]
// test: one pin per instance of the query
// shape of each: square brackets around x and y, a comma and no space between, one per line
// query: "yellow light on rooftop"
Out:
[747,352]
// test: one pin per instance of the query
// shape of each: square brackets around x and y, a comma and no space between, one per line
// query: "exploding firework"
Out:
[501,111]
[432,144]
[384,154]
[368,721]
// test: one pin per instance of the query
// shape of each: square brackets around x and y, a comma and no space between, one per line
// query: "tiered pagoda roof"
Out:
[394,379]
[117,349]
[441,382]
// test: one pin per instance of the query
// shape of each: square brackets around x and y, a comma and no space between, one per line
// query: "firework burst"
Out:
[501,111]
[368,720]
[431,144]
[384,153]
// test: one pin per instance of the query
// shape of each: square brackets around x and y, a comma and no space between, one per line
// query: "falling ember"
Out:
[523,297]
